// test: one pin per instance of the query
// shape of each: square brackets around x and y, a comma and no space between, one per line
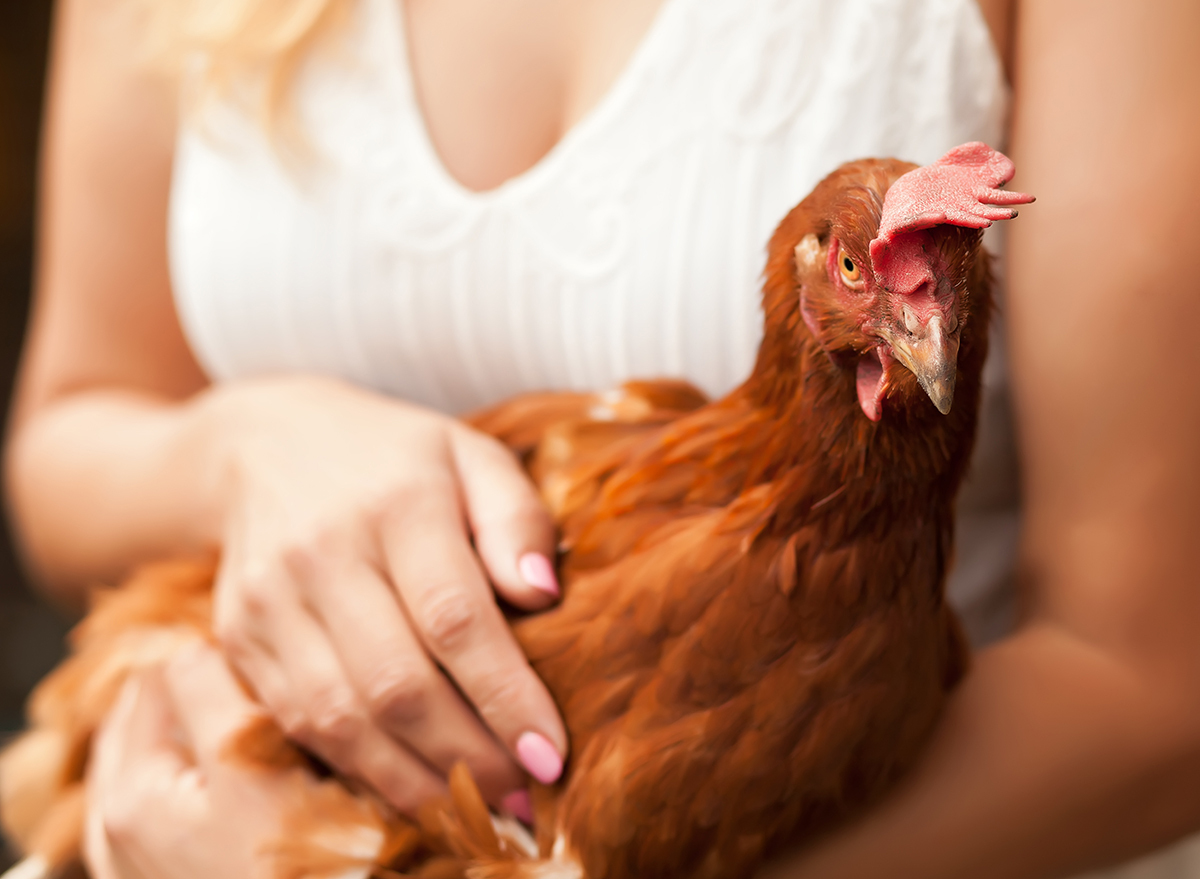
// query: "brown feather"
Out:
[752,642]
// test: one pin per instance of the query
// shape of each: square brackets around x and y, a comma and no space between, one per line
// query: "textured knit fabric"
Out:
[633,249]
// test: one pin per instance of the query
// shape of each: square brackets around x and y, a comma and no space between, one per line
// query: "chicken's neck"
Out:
[807,443]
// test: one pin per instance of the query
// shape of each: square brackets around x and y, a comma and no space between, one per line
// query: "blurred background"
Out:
[30,633]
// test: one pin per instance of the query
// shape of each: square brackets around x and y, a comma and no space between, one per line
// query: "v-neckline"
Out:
[400,65]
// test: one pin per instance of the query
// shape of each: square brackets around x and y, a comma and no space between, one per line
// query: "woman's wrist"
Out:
[103,480]
[230,428]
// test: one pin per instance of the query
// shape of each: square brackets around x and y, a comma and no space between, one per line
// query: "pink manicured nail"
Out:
[539,757]
[536,570]
[518,804]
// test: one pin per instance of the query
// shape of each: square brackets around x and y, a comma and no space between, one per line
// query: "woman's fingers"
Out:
[306,689]
[107,768]
[345,586]
[135,725]
[512,529]
[450,604]
[137,749]
[164,799]
[136,769]
[207,699]
[403,692]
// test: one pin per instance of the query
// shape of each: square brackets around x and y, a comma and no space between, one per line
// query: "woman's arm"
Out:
[92,462]
[121,454]
[1076,742]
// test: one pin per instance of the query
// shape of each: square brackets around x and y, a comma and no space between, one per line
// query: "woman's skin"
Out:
[160,748]
[1072,743]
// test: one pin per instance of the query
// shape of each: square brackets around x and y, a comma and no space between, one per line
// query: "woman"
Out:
[1074,742]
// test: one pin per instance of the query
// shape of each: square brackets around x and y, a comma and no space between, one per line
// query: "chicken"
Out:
[753,641]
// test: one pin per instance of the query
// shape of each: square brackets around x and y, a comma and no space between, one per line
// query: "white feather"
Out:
[33,867]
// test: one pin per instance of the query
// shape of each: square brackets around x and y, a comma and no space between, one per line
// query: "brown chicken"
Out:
[753,641]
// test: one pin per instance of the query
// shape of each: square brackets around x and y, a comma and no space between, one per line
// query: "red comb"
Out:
[962,188]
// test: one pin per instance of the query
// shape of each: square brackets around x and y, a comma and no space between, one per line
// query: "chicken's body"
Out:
[753,640]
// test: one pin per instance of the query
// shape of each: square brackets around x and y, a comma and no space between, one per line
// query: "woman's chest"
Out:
[631,249]
[500,84]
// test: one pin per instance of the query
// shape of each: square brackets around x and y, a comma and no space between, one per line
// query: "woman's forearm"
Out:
[342,515]
[102,479]
[1051,758]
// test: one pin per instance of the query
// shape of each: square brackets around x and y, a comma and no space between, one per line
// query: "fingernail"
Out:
[519,805]
[536,570]
[539,757]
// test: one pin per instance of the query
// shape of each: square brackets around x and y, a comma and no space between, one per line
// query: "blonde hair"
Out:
[250,48]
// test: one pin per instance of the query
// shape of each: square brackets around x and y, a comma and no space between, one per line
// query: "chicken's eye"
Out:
[851,273]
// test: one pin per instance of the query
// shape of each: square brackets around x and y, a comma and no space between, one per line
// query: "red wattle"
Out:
[869,380]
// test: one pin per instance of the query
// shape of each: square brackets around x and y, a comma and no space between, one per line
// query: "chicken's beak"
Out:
[928,346]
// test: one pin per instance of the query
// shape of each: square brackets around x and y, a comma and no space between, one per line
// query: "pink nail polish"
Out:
[539,757]
[536,570]
[519,805]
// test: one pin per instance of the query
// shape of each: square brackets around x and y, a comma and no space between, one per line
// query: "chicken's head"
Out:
[884,277]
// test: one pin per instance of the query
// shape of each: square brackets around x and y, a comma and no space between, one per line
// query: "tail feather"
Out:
[31,781]
[33,867]
[478,833]
[55,841]
[59,838]
[474,844]
[329,830]
[439,867]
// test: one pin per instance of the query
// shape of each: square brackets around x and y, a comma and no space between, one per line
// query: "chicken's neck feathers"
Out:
[806,451]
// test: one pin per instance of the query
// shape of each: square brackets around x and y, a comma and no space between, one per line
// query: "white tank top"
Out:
[633,249]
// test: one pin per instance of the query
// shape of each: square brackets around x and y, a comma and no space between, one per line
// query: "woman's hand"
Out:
[158,754]
[360,536]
